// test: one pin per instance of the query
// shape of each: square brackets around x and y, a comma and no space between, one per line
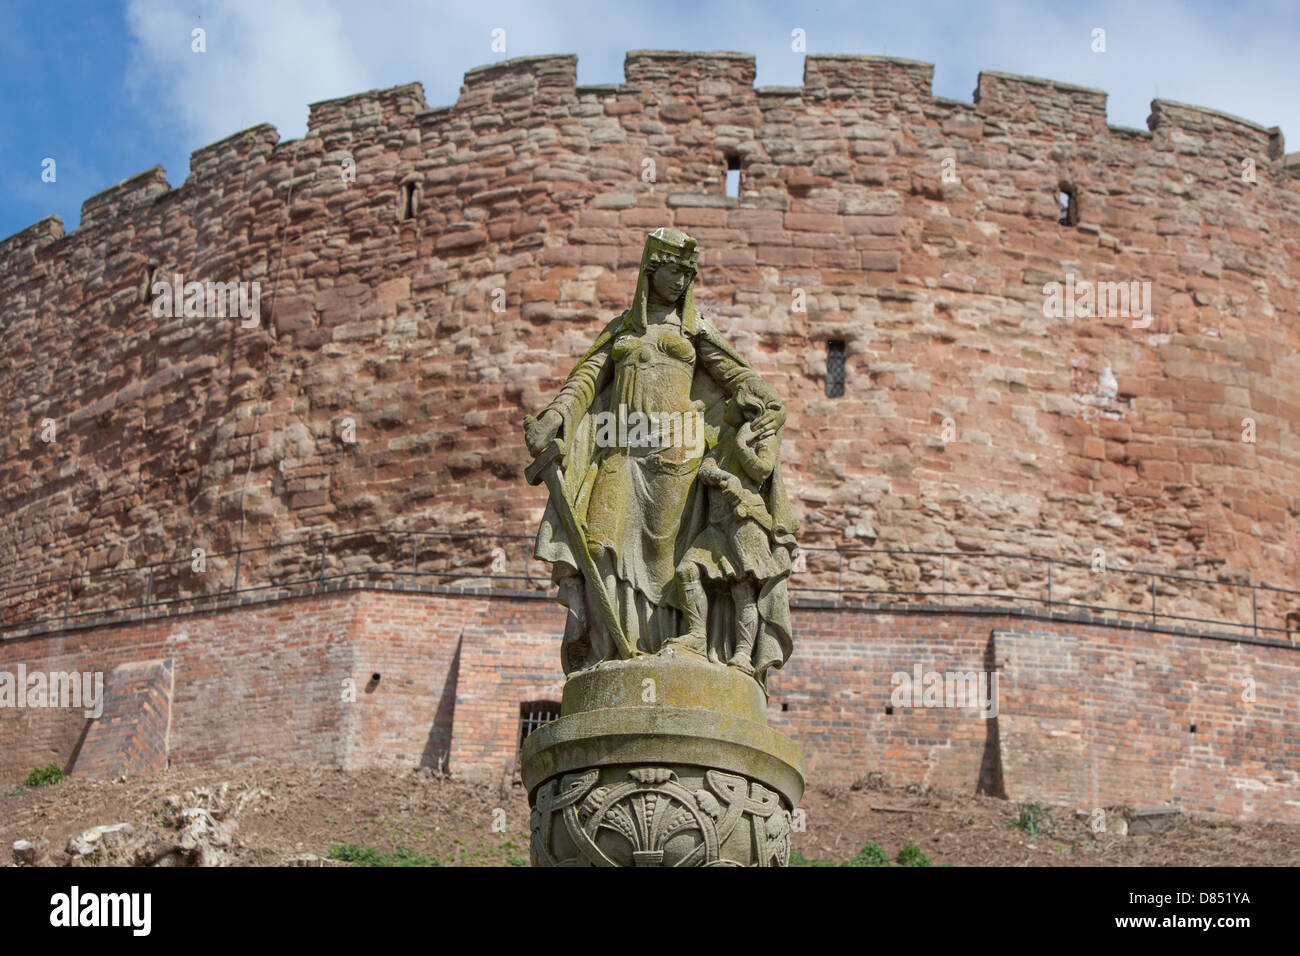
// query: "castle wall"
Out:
[427,304]
[527,195]
[1087,714]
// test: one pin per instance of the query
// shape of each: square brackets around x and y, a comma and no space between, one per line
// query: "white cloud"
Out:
[267,61]
[264,62]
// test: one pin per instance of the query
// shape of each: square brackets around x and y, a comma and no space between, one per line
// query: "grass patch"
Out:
[45,776]
[873,854]
[405,856]
[911,855]
[368,856]
[1033,818]
[798,859]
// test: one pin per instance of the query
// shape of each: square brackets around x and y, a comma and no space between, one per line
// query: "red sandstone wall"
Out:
[1070,434]
[1088,715]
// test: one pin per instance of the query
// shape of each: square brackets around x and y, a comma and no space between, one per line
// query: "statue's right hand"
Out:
[540,432]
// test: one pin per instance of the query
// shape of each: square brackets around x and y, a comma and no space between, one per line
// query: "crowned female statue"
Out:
[668,525]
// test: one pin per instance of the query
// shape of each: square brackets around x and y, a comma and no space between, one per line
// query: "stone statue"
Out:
[661,532]
[671,539]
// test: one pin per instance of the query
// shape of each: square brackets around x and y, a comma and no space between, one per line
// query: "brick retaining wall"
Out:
[1089,714]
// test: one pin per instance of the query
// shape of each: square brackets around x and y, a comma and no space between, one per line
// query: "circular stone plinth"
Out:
[658,815]
[663,760]
[635,736]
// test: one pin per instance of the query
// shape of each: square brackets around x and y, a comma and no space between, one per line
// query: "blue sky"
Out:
[110,89]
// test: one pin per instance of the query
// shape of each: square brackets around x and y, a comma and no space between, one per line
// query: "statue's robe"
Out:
[641,511]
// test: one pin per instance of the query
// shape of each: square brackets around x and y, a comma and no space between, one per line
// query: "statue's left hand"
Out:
[769,423]
[772,418]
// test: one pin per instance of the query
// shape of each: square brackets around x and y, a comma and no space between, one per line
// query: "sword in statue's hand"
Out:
[546,468]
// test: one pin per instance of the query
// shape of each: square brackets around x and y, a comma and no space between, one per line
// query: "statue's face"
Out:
[670,281]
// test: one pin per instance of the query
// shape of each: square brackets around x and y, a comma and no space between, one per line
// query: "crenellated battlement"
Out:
[689,74]
[1073,110]
[18,252]
[1215,130]
[876,77]
[245,148]
[529,78]
[127,196]
[499,93]
[388,109]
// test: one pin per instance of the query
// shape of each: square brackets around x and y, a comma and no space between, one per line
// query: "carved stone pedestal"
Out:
[661,761]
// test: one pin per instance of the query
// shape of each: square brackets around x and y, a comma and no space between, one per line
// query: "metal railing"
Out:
[1052,600]
[321,574]
[485,561]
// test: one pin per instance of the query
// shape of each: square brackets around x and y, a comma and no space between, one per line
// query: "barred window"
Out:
[834,368]
[534,714]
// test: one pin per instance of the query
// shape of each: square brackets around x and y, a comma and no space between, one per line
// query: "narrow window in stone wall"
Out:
[1068,196]
[410,202]
[834,368]
[733,175]
[146,289]
[534,714]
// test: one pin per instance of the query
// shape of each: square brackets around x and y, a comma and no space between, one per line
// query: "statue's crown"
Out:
[668,243]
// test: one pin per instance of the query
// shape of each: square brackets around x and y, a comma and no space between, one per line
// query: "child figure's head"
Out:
[753,397]
[746,405]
